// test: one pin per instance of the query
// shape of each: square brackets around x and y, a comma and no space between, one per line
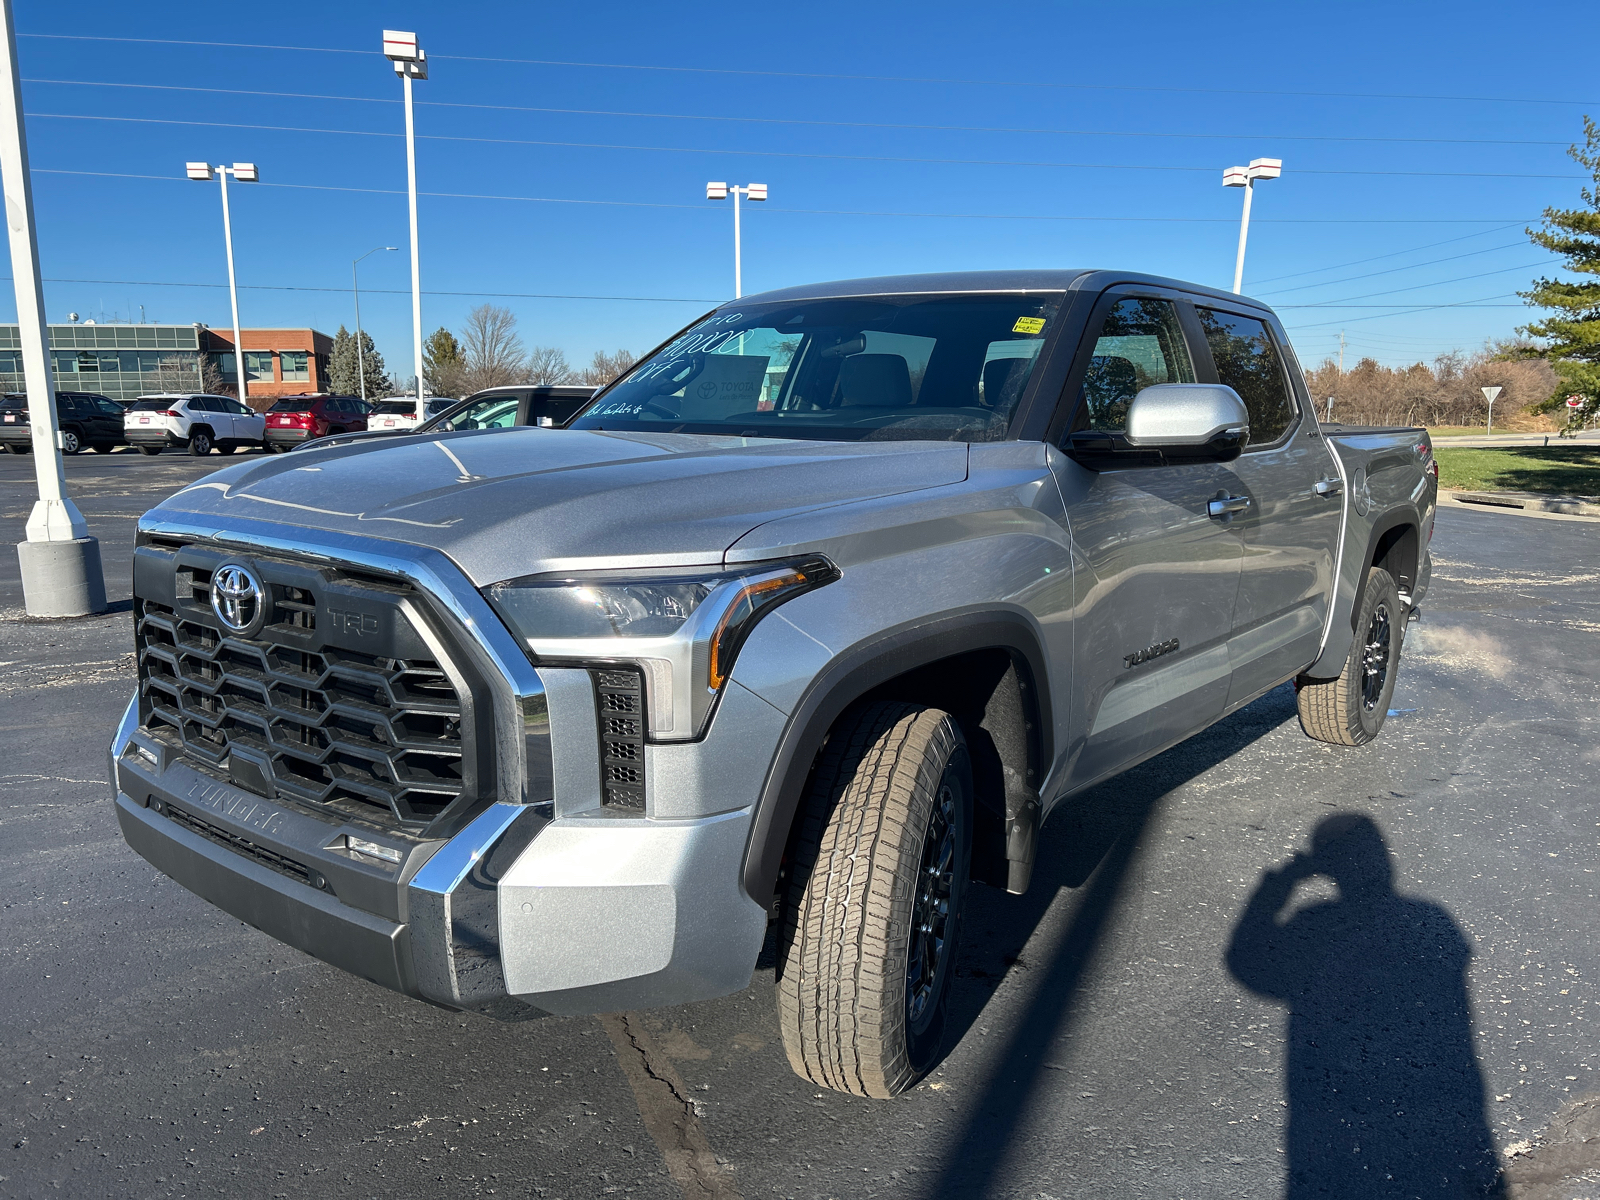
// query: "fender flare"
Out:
[1404,519]
[856,671]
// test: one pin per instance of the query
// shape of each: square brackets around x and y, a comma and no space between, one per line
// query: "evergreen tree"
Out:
[443,361]
[345,373]
[1573,332]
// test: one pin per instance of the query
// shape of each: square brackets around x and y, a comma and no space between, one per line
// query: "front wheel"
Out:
[200,443]
[872,914]
[1349,710]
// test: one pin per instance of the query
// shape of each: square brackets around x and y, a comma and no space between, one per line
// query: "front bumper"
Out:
[517,911]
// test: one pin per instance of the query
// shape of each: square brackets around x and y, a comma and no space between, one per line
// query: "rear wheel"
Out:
[200,442]
[872,914]
[1350,710]
[227,447]
[71,443]
[103,447]
[151,450]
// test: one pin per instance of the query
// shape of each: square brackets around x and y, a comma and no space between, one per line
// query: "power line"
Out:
[1009,83]
[1481,303]
[1392,270]
[825,212]
[604,112]
[268,287]
[1416,287]
[788,154]
[1392,254]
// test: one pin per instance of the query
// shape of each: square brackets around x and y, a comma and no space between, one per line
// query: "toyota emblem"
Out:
[236,596]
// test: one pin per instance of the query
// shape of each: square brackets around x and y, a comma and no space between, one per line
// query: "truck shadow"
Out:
[1382,1077]
[1090,842]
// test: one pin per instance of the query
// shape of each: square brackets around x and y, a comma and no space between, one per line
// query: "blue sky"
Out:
[1417,140]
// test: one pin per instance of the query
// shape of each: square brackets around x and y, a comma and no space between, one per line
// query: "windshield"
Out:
[294,404]
[925,368]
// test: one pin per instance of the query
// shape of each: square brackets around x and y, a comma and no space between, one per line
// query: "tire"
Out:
[103,447]
[71,443]
[227,447]
[199,442]
[150,450]
[862,979]
[18,448]
[1350,710]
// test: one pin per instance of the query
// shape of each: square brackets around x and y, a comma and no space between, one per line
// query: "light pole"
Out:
[355,287]
[721,191]
[59,561]
[244,173]
[1245,177]
[410,63]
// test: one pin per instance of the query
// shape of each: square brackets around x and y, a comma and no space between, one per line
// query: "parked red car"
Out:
[296,419]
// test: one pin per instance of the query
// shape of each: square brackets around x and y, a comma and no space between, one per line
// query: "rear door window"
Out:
[1248,361]
[1140,344]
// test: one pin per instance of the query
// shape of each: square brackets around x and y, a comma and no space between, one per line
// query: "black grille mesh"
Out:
[619,703]
[367,736]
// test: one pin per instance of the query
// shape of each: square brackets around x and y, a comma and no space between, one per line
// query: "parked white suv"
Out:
[193,421]
[401,415]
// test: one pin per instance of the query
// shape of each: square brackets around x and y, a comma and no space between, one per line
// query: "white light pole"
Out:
[1490,394]
[355,287]
[410,63]
[721,191]
[60,562]
[244,173]
[1245,177]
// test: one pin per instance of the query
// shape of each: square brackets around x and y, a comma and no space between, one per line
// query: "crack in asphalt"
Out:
[670,1117]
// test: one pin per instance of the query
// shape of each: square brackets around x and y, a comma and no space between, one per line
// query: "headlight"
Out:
[683,628]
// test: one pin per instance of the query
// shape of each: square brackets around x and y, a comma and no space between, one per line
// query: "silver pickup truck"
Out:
[813,618]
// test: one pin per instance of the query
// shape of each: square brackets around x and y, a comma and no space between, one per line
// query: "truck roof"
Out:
[1024,280]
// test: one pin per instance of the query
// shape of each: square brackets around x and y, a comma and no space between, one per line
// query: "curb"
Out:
[1529,502]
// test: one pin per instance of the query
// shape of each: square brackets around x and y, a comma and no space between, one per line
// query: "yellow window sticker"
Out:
[1028,325]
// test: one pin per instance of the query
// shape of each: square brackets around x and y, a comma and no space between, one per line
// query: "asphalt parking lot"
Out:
[1116,1030]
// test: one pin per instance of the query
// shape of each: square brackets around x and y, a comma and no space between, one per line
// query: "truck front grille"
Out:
[289,714]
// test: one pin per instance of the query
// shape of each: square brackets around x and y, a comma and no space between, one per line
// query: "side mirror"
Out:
[1171,423]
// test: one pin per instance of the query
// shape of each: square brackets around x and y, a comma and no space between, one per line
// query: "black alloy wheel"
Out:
[927,957]
[1375,658]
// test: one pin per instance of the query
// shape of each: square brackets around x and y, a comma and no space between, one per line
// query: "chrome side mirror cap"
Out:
[1187,416]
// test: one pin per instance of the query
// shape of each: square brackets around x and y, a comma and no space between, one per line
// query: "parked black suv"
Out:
[86,420]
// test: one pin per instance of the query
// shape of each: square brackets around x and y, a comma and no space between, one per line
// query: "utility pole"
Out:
[1341,356]
[60,562]
[410,63]
[355,287]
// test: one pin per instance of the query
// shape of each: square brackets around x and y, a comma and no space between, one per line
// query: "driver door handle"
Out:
[1226,506]
[1328,487]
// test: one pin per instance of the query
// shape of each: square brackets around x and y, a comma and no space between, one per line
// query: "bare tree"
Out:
[181,373]
[547,365]
[603,368]
[494,353]
[1448,393]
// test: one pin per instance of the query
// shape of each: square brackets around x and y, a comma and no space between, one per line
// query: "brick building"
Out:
[277,362]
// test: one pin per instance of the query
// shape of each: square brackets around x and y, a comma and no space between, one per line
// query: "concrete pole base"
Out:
[62,579]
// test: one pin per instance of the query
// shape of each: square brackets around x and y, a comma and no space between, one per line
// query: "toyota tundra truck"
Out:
[812,619]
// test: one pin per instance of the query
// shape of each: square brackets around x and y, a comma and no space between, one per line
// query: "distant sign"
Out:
[1489,393]
[1574,401]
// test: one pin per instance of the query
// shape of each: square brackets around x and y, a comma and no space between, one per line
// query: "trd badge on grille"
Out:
[237,597]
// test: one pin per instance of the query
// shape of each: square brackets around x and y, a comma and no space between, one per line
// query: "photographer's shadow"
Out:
[1384,1092]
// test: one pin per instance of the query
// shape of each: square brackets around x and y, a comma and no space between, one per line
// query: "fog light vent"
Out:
[619,704]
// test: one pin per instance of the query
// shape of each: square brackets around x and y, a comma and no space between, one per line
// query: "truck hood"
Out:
[504,503]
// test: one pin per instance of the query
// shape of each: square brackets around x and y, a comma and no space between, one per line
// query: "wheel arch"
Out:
[986,666]
[1395,545]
